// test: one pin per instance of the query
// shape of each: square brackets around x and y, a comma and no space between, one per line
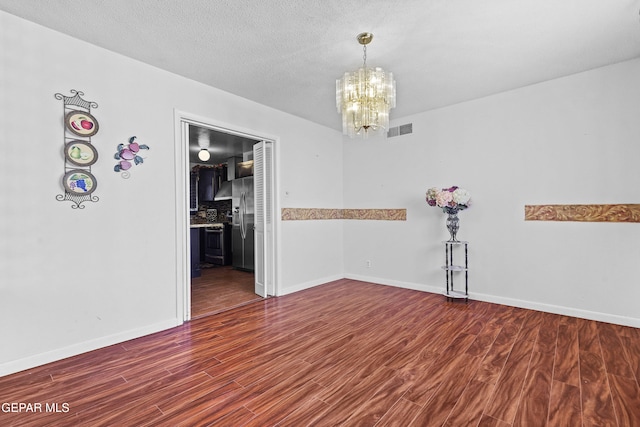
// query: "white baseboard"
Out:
[557,309]
[397,283]
[531,305]
[83,347]
[310,284]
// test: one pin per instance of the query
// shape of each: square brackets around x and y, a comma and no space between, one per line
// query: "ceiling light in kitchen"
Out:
[204,154]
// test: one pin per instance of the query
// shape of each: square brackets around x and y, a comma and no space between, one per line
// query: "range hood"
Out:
[224,192]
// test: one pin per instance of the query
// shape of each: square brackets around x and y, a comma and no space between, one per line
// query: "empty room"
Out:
[297,213]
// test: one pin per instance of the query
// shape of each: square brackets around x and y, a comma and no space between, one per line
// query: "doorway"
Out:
[221,284]
[221,288]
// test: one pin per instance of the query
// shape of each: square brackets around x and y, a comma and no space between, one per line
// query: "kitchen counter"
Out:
[206,224]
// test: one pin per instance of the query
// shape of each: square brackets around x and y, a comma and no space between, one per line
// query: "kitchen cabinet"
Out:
[193,192]
[209,182]
[219,176]
[205,185]
[195,252]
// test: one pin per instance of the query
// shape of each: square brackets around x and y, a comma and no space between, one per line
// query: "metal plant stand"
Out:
[451,270]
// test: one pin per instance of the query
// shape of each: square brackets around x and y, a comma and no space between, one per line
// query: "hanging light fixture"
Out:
[204,154]
[364,97]
[204,143]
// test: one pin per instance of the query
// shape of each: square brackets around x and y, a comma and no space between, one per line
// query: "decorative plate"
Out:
[80,153]
[79,182]
[81,123]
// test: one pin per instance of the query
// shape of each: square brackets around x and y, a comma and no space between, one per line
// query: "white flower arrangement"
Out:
[449,199]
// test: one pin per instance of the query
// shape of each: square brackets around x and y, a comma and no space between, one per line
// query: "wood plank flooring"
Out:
[221,288]
[348,353]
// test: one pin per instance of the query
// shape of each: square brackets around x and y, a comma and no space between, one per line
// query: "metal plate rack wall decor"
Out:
[79,153]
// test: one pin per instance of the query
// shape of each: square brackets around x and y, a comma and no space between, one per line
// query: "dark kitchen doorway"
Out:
[223,279]
[211,287]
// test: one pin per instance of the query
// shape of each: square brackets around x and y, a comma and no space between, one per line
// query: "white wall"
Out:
[572,140]
[76,279]
[313,249]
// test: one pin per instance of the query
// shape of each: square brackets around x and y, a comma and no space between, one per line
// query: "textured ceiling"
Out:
[287,53]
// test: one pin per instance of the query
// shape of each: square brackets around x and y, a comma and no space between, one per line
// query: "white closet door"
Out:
[263,189]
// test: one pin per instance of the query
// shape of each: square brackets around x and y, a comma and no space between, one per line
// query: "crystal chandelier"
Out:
[364,97]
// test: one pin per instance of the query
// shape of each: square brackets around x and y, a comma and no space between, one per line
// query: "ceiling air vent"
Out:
[405,129]
[400,130]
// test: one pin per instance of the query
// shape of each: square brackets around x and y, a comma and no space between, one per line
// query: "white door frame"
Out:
[182,170]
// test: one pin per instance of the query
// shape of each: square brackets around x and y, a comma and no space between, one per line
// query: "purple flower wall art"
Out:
[128,155]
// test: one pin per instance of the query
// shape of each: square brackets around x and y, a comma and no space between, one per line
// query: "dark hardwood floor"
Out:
[353,354]
[221,288]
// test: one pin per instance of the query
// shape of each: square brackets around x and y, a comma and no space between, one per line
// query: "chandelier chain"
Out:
[364,55]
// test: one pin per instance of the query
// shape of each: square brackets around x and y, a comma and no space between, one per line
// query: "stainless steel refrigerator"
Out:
[242,224]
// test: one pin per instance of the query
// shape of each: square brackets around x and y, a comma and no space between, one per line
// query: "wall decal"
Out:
[79,153]
[298,214]
[376,214]
[583,213]
[126,153]
[305,214]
